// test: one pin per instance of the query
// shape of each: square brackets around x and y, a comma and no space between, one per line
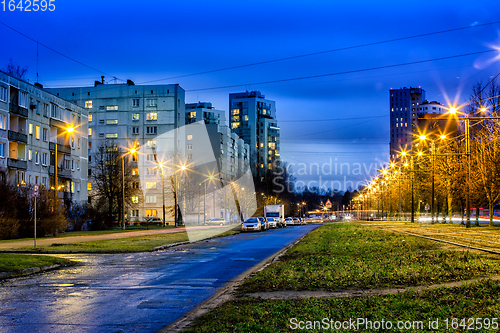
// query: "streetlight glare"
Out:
[453,110]
[393,165]
[133,151]
[70,129]
[443,136]
[403,153]
[419,153]
[423,137]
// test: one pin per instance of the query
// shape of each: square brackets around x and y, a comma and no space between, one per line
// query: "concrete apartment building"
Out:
[253,118]
[31,122]
[404,104]
[135,116]
[211,149]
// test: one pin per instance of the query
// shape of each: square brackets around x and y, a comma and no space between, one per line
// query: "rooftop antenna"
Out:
[37,61]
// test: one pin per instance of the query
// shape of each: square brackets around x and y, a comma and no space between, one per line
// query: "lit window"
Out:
[111,121]
[150,185]
[261,144]
[246,117]
[90,131]
[192,114]
[37,132]
[30,155]
[135,199]
[111,135]
[111,107]
[88,105]
[89,186]
[262,166]
[135,116]
[151,212]
[72,187]
[30,128]
[190,137]
[151,143]
[235,111]
[235,125]
[135,171]
[152,116]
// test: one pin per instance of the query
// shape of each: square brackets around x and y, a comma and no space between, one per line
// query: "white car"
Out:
[273,223]
[289,221]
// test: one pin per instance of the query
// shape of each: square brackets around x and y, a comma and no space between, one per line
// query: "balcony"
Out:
[64,149]
[18,137]
[17,164]
[19,110]
[61,173]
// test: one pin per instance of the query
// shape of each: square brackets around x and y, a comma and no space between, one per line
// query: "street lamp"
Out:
[131,151]
[68,130]
[160,165]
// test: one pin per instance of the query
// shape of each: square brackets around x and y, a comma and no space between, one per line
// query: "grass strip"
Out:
[344,256]
[13,262]
[122,245]
[413,309]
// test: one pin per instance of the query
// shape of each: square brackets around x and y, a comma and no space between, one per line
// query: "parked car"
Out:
[296,221]
[273,223]
[215,221]
[153,220]
[251,224]
[264,223]
[289,221]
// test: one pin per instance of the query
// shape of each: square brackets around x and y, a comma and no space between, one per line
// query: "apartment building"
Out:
[253,118]
[35,126]
[135,116]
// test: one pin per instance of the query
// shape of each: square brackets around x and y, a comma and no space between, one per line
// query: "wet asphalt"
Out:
[138,292]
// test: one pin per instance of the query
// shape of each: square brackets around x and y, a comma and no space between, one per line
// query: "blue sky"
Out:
[159,40]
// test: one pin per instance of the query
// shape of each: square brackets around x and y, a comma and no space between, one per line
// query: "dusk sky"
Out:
[160,42]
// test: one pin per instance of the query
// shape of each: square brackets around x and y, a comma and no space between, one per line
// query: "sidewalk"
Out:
[12,245]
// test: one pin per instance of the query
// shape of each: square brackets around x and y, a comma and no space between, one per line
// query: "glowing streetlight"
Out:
[452,110]
[130,151]
[68,130]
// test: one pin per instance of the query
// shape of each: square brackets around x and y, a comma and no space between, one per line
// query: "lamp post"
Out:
[131,151]
[68,130]
[160,164]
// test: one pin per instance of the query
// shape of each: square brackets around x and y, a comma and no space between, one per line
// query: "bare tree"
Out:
[15,70]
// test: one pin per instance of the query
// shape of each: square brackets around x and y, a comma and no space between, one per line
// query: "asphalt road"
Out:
[139,292]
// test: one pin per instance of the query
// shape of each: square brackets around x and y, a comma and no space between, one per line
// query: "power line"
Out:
[346,72]
[328,51]
[333,119]
[62,54]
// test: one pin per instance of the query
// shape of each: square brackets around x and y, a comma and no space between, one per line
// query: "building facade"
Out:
[33,130]
[404,105]
[253,118]
[143,117]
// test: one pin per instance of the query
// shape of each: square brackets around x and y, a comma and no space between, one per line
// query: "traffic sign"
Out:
[328,204]
[35,191]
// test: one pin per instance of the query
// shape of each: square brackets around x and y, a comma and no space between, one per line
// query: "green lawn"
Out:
[123,245]
[349,256]
[354,256]
[479,300]
[11,262]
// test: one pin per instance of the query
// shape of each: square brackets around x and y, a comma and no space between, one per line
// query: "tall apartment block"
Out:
[218,153]
[32,121]
[139,116]
[253,118]
[404,104]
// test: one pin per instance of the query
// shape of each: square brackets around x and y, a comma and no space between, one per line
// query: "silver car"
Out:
[273,223]
[251,224]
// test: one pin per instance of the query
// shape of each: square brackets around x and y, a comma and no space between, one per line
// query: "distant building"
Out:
[31,122]
[404,104]
[253,118]
[139,116]
[204,111]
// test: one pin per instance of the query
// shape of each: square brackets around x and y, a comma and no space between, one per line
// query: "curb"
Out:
[29,271]
[225,292]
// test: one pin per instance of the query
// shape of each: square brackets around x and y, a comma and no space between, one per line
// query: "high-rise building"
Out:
[253,118]
[404,104]
[32,121]
[204,111]
[139,116]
